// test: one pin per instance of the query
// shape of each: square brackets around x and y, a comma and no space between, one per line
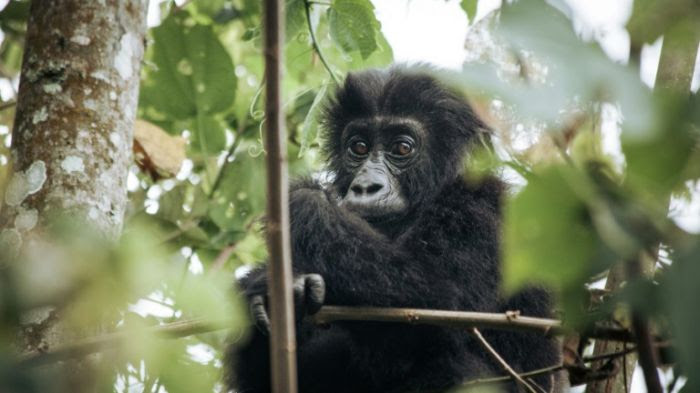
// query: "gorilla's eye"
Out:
[359,148]
[402,148]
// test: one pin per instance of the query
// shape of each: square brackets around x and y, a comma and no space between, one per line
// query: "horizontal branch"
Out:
[7,105]
[463,319]
[328,314]
[111,340]
[457,319]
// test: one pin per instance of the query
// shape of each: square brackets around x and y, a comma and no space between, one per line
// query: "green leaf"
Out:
[193,73]
[209,7]
[656,161]
[11,55]
[209,135]
[309,130]
[353,26]
[295,17]
[13,18]
[170,203]
[185,376]
[469,6]
[241,196]
[549,237]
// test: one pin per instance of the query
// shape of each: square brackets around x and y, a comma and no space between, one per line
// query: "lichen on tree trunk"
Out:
[75,112]
[72,135]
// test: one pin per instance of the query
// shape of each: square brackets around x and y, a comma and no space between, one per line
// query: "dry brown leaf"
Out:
[157,152]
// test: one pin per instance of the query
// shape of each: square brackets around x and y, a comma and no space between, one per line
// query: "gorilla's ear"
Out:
[479,128]
[460,116]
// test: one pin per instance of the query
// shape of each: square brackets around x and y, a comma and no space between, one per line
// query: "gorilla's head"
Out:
[394,139]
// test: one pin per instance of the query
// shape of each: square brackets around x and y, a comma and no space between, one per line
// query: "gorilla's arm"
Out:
[360,265]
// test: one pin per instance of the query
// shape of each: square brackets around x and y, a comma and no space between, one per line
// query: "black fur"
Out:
[442,252]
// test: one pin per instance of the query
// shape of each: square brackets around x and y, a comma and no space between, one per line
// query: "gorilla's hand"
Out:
[309,294]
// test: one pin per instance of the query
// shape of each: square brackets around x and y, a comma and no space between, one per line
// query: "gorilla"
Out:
[399,226]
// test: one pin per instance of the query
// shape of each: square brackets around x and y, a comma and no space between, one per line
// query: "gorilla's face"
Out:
[394,140]
[377,152]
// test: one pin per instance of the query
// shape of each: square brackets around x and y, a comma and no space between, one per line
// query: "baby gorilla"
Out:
[398,227]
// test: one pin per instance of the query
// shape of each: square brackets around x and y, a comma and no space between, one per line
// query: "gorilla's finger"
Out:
[298,287]
[315,293]
[299,295]
[259,313]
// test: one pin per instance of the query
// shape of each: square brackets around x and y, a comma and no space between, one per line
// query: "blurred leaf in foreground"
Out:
[658,161]
[682,294]
[550,238]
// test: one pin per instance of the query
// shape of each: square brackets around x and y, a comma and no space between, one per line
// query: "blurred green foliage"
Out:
[579,214]
[185,236]
[576,215]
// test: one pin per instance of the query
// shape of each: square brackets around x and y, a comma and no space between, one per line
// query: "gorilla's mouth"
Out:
[376,206]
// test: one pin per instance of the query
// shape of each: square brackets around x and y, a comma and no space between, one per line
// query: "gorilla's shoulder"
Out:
[463,194]
[464,210]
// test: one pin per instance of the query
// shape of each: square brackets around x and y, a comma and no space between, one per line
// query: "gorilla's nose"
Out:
[366,188]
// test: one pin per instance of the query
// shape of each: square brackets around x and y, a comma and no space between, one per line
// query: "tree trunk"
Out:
[75,113]
[72,135]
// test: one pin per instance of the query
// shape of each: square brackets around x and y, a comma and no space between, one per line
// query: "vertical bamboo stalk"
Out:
[282,340]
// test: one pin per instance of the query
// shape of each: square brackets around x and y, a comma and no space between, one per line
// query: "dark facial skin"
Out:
[377,151]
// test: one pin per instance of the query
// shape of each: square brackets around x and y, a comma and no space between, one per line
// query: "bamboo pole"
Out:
[282,340]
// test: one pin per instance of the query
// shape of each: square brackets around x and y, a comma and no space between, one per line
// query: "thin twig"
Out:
[546,370]
[605,356]
[504,378]
[186,226]
[229,154]
[7,105]
[314,42]
[647,353]
[502,361]
[625,371]
[223,256]
[640,326]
